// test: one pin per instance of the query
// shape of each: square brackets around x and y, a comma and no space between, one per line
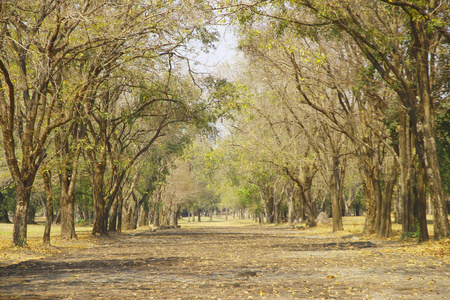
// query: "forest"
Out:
[339,106]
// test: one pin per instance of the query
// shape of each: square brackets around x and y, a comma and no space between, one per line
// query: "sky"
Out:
[224,53]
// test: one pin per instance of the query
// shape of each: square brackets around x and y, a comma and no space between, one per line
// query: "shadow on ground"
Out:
[228,263]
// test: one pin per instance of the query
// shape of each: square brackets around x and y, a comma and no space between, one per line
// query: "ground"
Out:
[229,260]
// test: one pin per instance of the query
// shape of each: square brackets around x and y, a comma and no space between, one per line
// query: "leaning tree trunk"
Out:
[113,215]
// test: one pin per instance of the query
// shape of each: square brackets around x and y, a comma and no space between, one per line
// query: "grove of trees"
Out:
[335,106]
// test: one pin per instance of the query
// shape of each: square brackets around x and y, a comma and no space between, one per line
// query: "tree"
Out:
[38,41]
[44,41]
[385,45]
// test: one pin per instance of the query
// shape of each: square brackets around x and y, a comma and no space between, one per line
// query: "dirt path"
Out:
[229,263]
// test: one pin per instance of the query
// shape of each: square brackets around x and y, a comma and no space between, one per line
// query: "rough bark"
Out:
[20,217]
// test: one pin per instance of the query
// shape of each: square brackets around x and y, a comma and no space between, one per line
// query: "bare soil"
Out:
[241,262]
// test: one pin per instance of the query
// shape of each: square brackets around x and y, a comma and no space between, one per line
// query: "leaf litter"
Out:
[230,262]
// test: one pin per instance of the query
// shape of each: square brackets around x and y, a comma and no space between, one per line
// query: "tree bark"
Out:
[423,53]
[405,148]
[175,215]
[113,215]
[421,202]
[119,211]
[336,185]
[291,206]
[100,218]
[267,200]
[20,217]
[67,207]
[385,222]
[4,218]
[47,176]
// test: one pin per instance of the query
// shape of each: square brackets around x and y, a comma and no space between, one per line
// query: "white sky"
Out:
[225,52]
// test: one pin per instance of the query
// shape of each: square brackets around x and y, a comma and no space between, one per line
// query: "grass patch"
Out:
[35,248]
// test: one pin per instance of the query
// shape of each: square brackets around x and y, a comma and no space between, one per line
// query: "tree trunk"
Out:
[130,213]
[385,226]
[143,219]
[67,208]
[421,202]
[291,208]
[119,211]
[135,211]
[156,220]
[175,215]
[277,211]
[20,217]
[336,183]
[4,218]
[434,177]
[370,173]
[310,216]
[47,176]
[405,148]
[267,200]
[113,215]
[100,218]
